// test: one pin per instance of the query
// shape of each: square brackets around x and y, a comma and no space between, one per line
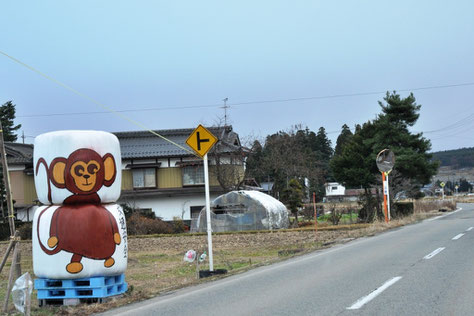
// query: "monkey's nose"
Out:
[86,176]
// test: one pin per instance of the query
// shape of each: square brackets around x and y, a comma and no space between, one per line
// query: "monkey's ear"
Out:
[110,170]
[57,172]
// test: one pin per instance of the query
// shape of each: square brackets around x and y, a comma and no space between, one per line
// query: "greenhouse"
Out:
[243,210]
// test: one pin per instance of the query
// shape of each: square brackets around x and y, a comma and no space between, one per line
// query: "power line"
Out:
[451,127]
[84,96]
[186,107]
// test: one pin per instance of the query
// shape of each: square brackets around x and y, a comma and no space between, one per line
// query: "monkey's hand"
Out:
[52,242]
[117,238]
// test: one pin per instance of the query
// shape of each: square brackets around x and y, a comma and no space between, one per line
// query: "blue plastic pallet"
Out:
[76,283]
[95,287]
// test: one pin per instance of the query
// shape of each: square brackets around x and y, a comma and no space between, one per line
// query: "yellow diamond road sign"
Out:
[201,140]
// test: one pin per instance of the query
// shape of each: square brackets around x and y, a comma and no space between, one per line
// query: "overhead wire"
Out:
[457,124]
[84,96]
[249,102]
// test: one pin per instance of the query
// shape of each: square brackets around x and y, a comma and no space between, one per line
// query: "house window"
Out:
[334,188]
[144,178]
[195,211]
[193,175]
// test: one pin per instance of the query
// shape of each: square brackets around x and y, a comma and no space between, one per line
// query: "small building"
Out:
[157,176]
[336,192]
[243,210]
[334,189]
[22,183]
[160,177]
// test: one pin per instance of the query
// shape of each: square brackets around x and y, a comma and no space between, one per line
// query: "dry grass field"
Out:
[156,263]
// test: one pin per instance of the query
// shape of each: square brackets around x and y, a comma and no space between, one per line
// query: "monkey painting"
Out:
[82,226]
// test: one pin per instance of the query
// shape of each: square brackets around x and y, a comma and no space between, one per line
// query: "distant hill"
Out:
[458,158]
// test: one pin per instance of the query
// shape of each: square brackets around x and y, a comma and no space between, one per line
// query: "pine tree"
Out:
[324,144]
[7,117]
[355,166]
[343,139]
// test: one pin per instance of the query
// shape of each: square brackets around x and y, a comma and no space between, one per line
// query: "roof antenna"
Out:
[225,107]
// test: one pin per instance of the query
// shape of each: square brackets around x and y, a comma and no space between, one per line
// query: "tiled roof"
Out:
[18,153]
[143,144]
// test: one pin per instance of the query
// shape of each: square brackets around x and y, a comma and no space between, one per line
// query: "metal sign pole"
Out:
[315,213]
[208,213]
[385,162]
[388,197]
[384,188]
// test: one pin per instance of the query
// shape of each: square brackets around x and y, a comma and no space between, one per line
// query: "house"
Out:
[22,185]
[334,189]
[157,176]
[160,177]
[336,192]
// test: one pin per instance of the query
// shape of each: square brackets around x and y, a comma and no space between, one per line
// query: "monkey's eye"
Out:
[92,168]
[79,170]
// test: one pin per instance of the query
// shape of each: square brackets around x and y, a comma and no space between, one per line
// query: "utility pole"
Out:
[225,107]
[15,268]
[6,182]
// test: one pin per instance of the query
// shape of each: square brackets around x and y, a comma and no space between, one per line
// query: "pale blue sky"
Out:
[146,54]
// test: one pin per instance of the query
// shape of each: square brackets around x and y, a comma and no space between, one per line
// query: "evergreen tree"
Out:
[324,145]
[293,196]
[464,186]
[297,154]
[7,117]
[343,139]
[355,166]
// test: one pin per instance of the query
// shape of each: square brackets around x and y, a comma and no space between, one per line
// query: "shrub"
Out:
[178,225]
[130,210]
[137,224]
[4,231]
[305,224]
[402,209]
[427,205]
[25,231]
[334,216]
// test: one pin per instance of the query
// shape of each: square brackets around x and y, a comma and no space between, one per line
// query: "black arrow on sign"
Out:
[199,140]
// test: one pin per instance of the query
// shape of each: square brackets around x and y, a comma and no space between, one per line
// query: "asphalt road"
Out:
[421,269]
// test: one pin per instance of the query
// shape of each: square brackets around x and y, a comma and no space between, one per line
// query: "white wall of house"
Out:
[26,214]
[169,207]
[334,188]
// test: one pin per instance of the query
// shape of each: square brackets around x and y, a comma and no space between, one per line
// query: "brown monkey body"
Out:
[82,226]
[85,230]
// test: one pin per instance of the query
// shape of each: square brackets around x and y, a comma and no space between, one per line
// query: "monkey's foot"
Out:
[52,242]
[117,238]
[74,267]
[109,262]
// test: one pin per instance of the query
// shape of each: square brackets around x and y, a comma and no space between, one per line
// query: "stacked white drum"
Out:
[80,231]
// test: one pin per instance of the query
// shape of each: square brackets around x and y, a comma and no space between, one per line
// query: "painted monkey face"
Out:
[85,174]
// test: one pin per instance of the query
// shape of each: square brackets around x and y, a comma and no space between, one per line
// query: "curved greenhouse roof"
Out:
[244,210]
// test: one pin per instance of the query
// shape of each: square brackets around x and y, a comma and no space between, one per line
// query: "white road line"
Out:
[434,253]
[364,300]
[441,216]
[435,218]
[457,237]
[469,229]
